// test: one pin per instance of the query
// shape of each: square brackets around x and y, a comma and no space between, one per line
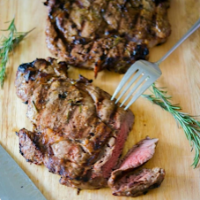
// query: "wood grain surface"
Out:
[181,76]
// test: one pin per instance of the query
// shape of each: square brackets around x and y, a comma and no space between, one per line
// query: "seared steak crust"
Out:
[30,75]
[28,146]
[108,34]
[139,182]
[79,132]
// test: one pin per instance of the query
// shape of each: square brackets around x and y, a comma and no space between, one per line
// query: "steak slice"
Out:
[140,182]
[79,133]
[139,154]
[107,34]
[127,180]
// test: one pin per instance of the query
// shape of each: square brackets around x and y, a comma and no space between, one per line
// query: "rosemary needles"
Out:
[190,126]
[7,44]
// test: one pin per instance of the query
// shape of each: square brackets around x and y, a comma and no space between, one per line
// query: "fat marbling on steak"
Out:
[111,34]
[79,133]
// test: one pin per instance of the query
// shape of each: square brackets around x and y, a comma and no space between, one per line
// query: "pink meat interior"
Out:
[140,154]
[120,140]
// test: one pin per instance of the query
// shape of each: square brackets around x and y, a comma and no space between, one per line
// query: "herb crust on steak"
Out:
[105,34]
[79,133]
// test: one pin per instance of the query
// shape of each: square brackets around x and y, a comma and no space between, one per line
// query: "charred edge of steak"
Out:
[107,34]
[28,148]
[40,71]
[40,68]
[92,183]
[139,183]
[84,80]
[23,67]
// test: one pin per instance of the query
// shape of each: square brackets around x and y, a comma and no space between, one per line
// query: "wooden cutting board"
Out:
[181,77]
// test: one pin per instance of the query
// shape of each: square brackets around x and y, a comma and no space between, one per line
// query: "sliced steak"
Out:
[79,133]
[107,34]
[139,183]
[28,146]
[127,180]
[139,154]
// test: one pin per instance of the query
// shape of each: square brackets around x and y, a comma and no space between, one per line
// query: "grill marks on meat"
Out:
[127,180]
[79,133]
[31,75]
[28,146]
[105,34]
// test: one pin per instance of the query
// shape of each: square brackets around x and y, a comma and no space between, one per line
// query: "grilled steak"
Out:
[127,181]
[79,133]
[107,34]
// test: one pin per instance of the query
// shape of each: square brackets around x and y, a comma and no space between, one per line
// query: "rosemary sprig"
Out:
[7,44]
[190,126]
